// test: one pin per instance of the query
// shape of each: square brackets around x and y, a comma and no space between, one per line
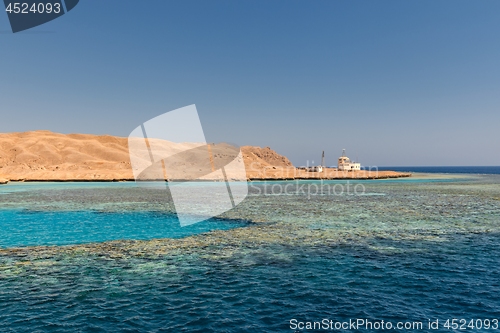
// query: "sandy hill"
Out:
[44,155]
[266,156]
[48,156]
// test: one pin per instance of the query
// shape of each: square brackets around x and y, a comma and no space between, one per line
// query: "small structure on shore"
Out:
[317,168]
[345,163]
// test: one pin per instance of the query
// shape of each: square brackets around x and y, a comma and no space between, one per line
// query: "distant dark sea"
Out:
[492,170]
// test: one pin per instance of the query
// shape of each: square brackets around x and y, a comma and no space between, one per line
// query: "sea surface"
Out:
[111,257]
[480,170]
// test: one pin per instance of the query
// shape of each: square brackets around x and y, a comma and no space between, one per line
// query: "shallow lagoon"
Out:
[407,249]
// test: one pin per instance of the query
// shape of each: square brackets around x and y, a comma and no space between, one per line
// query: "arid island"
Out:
[48,156]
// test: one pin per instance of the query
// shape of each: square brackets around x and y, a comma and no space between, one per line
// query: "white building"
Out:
[345,163]
[318,168]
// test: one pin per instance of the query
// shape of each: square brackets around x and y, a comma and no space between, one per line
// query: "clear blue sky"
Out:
[393,82]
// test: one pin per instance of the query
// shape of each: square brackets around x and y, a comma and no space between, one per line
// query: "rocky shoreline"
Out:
[351,175]
[280,173]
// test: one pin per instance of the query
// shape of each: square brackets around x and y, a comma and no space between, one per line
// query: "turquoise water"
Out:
[30,228]
[406,250]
